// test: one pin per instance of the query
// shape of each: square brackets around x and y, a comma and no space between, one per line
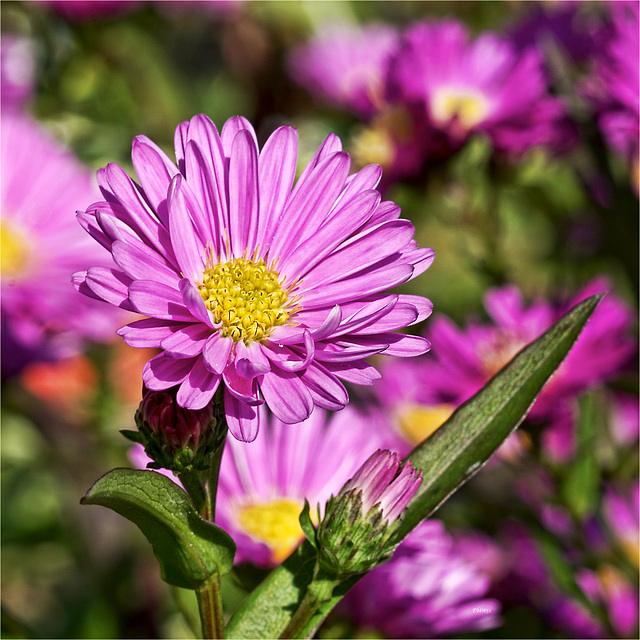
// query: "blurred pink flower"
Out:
[263,484]
[43,316]
[429,589]
[614,87]
[484,85]
[346,65]
[89,10]
[17,70]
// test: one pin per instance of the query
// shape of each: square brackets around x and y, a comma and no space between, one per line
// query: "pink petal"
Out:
[216,352]
[162,372]
[148,333]
[158,301]
[198,388]
[326,390]
[110,285]
[287,396]
[186,342]
[243,421]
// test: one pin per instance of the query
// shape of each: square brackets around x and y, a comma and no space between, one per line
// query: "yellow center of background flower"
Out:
[275,523]
[245,297]
[469,107]
[14,250]
[418,422]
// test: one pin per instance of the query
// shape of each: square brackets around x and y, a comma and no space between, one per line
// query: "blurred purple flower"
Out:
[17,70]
[614,88]
[346,65]
[428,589]
[625,418]
[622,516]
[274,290]
[89,10]
[43,316]
[263,484]
[481,86]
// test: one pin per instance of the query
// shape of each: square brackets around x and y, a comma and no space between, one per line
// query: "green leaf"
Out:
[581,483]
[447,458]
[190,549]
[478,427]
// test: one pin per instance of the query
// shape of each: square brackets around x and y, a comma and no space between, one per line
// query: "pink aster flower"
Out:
[467,358]
[263,485]
[89,10]
[484,85]
[17,70]
[346,65]
[273,289]
[427,590]
[43,317]
[614,90]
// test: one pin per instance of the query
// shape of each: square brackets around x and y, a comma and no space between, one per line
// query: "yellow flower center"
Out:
[275,523]
[14,248]
[376,144]
[418,422]
[246,298]
[469,107]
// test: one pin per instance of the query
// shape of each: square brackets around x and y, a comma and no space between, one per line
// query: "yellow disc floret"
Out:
[245,297]
[470,107]
[275,523]
[14,250]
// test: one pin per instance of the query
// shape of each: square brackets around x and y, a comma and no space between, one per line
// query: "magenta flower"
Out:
[614,89]
[275,290]
[480,86]
[89,10]
[17,70]
[42,185]
[347,65]
[263,485]
[427,590]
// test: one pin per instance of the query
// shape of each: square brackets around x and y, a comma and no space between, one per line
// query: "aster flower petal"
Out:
[310,202]
[216,352]
[243,192]
[327,391]
[185,342]
[397,344]
[199,386]
[149,332]
[358,372]
[276,173]
[142,265]
[251,360]
[194,303]
[241,388]
[291,360]
[231,128]
[110,285]
[287,396]
[155,171]
[162,372]
[242,419]
[158,301]
[189,247]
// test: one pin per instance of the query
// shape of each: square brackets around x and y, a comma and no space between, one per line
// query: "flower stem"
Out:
[318,593]
[210,607]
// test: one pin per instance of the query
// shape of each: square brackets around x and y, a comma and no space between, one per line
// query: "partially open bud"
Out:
[356,532]
[176,438]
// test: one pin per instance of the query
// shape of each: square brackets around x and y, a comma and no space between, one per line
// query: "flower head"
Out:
[263,485]
[356,531]
[347,65]
[485,85]
[427,590]
[270,288]
[175,438]
[43,317]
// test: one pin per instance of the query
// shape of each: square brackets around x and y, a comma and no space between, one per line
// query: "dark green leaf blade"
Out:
[478,427]
[189,548]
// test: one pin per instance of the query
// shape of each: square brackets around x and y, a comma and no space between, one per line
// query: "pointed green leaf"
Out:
[189,548]
[478,427]
[448,458]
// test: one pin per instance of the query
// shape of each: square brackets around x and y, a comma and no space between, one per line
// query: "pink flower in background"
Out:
[271,288]
[614,89]
[346,65]
[89,10]
[428,589]
[263,484]
[17,70]
[622,516]
[43,317]
[484,85]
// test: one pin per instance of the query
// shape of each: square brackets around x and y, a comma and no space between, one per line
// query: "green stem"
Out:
[318,593]
[210,606]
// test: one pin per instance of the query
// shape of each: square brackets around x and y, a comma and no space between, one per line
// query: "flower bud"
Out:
[176,438]
[356,533]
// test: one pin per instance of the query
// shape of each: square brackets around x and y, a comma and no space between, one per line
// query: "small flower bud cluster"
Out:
[175,438]
[356,533]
